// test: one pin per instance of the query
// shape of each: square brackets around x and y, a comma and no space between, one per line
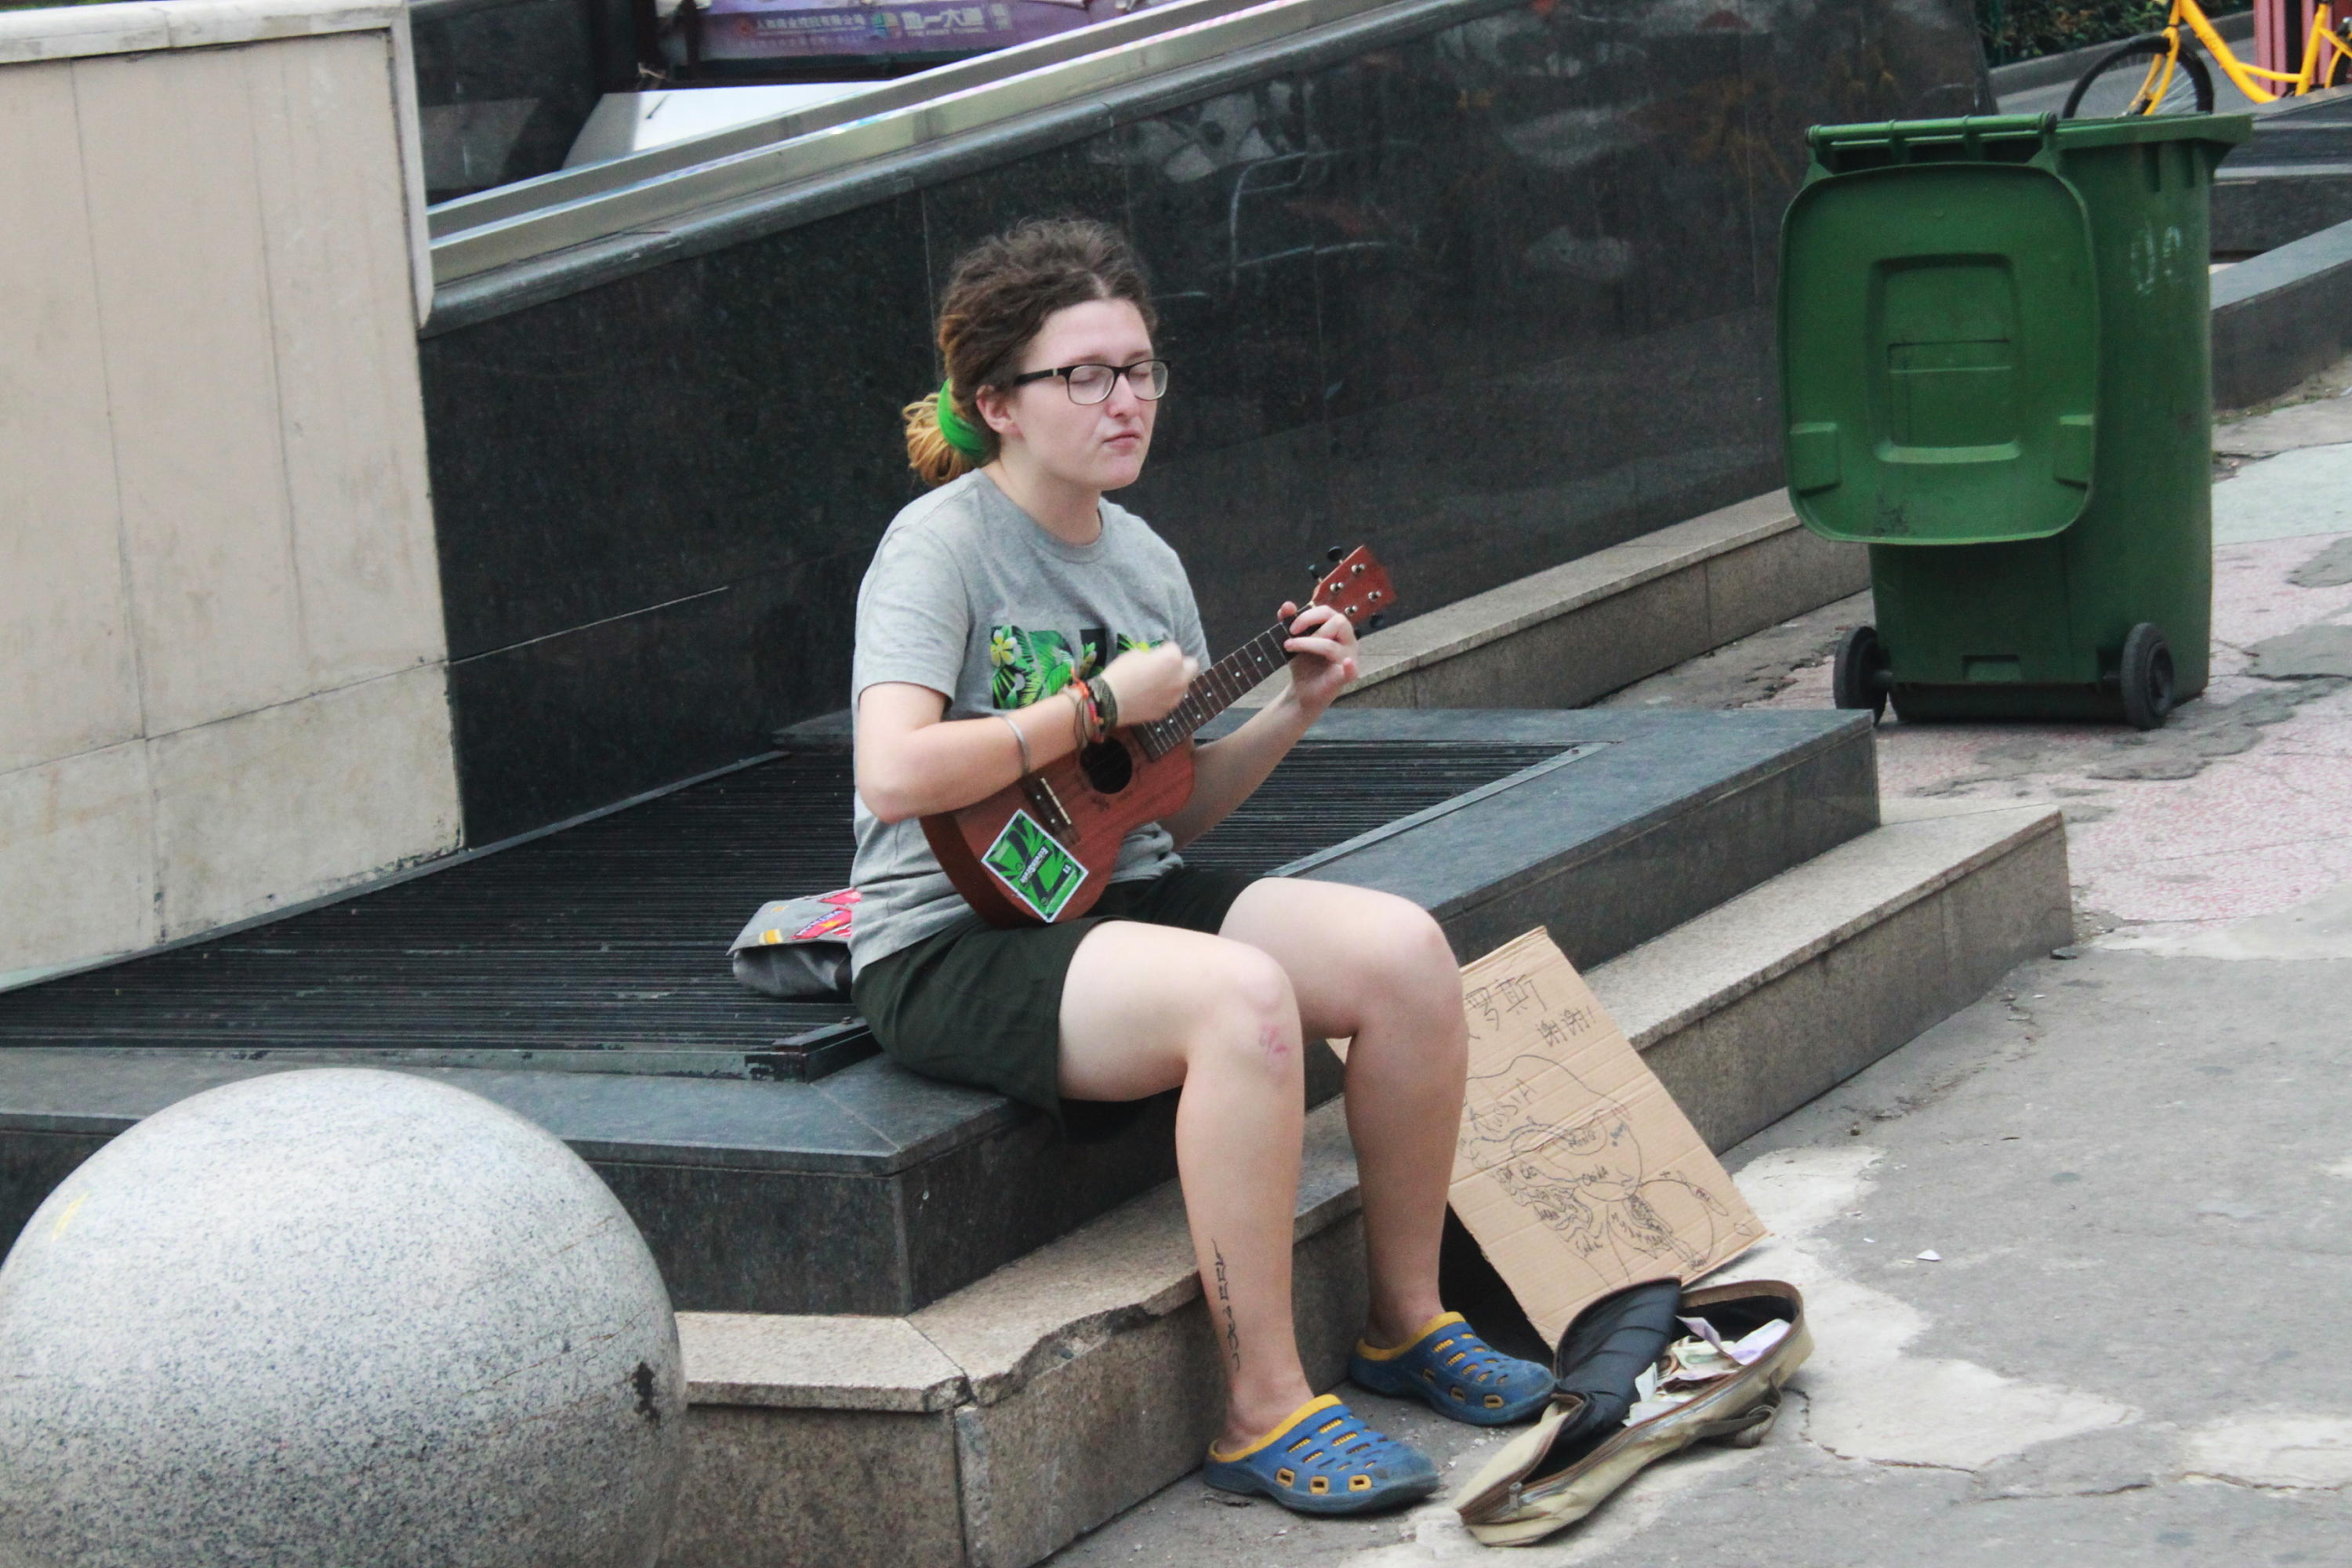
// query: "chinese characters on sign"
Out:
[1575,1170]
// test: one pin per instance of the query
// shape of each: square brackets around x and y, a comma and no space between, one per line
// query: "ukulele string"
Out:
[1216,688]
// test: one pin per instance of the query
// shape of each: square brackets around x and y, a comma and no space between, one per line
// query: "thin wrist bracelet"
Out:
[1021,740]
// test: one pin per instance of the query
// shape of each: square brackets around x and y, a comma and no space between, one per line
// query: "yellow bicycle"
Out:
[2160,74]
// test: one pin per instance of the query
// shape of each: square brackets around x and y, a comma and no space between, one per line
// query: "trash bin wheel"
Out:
[2146,675]
[1862,673]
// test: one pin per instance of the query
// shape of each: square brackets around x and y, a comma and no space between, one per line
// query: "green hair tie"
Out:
[960,435]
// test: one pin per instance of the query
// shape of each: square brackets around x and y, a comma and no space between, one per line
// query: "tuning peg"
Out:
[1336,552]
[1314,572]
[1377,622]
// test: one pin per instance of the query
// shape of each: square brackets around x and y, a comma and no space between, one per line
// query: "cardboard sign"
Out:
[1576,1171]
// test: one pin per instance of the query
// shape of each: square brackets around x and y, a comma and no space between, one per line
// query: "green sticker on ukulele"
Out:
[1027,860]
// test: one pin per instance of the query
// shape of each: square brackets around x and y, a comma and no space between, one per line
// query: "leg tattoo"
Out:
[1225,1300]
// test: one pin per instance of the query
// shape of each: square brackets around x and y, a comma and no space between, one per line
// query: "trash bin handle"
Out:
[1898,135]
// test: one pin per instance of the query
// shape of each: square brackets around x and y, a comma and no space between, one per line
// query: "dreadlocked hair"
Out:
[997,298]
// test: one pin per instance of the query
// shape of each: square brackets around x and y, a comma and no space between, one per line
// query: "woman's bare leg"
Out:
[1377,968]
[1147,1008]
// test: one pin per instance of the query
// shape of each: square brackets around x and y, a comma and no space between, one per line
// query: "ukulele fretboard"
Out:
[1216,688]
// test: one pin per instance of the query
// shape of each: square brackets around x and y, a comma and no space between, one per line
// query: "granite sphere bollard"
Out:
[345,1318]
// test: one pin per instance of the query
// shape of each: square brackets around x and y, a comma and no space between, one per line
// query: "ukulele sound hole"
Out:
[1107,766]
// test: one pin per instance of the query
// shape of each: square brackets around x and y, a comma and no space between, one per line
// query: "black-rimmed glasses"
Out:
[1090,384]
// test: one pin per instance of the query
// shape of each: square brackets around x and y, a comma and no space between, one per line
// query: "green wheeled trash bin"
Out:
[1995,371]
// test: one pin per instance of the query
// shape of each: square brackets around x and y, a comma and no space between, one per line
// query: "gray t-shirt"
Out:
[970,597]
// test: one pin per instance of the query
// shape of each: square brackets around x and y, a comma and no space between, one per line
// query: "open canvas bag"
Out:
[1585,1446]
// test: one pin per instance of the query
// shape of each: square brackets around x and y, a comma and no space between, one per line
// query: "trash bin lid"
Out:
[1939,353]
[2009,138]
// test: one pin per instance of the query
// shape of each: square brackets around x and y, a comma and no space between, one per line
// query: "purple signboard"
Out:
[786,29]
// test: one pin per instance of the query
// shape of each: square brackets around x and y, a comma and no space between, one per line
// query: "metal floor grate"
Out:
[604,946]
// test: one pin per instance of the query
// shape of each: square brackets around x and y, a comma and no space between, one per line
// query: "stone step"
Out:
[875,1190]
[2282,316]
[1769,1000]
[992,1427]
[2260,206]
[1567,635]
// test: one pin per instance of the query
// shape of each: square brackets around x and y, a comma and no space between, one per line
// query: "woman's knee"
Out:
[1404,950]
[1249,1015]
[1411,980]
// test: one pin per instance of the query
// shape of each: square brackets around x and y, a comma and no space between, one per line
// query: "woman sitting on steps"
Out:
[990,604]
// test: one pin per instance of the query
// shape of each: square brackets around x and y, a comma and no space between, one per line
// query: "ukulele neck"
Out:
[1216,688]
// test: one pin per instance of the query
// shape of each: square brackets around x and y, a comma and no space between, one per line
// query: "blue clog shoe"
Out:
[1456,1371]
[1324,1459]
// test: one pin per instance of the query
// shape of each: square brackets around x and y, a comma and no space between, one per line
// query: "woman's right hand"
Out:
[1148,682]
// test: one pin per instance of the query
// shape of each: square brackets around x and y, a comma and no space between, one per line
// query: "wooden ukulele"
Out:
[1041,850]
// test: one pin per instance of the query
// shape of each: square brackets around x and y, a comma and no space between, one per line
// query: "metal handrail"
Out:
[649,189]
[562,186]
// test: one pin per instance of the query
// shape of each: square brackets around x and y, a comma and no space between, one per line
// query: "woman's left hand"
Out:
[1322,648]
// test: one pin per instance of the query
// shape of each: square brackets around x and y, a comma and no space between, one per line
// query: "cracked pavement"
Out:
[2129,1161]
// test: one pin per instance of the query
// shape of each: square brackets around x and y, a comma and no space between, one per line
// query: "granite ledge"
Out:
[988,1340]
[2310,257]
[877,1123]
[1698,969]
[815,1362]
[1498,613]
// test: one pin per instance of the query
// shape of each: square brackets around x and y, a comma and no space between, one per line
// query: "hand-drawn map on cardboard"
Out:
[1576,1171]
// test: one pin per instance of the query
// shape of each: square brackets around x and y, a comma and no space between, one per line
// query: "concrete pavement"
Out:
[2243,803]
[2133,1162]
[2136,1172]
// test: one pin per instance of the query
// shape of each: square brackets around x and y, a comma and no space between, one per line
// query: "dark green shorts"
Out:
[982,1006]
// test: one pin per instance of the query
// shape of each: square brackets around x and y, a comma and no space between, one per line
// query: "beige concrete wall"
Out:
[220,613]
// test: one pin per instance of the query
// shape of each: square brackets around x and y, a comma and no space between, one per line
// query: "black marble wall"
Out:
[504,86]
[1488,300]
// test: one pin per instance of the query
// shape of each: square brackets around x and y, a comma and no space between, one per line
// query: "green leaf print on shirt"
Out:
[1028,666]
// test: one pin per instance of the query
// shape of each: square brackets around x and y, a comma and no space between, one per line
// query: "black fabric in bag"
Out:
[1610,1343]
